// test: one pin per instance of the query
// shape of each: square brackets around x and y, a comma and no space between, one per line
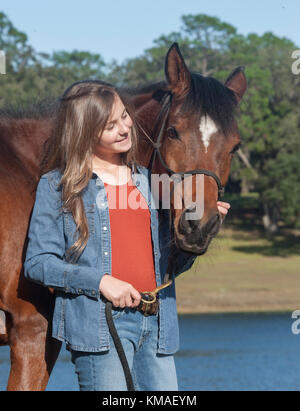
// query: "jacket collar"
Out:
[138,167]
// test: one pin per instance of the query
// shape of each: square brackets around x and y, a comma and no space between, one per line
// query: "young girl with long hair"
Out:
[90,248]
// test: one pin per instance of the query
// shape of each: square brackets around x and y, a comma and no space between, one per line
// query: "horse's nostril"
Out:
[212,223]
[192,217]
[190,209]
[193,223]
[192,214]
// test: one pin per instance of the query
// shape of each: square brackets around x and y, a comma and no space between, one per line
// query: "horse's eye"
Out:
[172,133]
[235,148]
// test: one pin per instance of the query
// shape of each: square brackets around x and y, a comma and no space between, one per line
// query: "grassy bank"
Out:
[243,272]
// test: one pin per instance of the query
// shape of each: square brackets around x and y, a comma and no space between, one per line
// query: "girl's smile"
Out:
[116,136]
[123,140]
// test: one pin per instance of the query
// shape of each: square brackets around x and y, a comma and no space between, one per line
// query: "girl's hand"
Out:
[223,209]
[120,293]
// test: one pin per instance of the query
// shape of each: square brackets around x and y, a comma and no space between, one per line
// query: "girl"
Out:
[90,249]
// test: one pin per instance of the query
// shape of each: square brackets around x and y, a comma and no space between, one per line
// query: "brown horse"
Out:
[199,131]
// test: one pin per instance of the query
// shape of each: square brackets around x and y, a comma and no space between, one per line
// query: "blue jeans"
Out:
[103,371]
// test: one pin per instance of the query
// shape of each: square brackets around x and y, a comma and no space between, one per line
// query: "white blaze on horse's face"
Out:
[207,128]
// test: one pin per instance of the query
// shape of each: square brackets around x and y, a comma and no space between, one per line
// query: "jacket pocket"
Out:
[69,223]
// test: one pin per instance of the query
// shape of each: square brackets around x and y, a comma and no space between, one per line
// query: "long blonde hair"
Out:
[84,110]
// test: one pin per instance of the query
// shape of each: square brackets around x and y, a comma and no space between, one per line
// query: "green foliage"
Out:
[269,118]
[31,75]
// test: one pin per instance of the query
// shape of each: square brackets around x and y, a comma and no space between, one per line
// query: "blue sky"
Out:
[119,29]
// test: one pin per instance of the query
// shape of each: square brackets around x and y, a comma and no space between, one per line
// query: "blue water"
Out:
[218,352]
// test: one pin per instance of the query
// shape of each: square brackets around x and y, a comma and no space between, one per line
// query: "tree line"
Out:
[269,119]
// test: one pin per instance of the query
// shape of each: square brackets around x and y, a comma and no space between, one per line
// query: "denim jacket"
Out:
[79,314]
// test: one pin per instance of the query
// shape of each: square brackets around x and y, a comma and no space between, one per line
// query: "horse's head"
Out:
[198,133]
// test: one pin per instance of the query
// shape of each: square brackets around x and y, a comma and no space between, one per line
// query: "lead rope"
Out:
[168,280]
[119,347]
[112,329]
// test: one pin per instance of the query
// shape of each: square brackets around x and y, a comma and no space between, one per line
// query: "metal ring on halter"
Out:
[151,294]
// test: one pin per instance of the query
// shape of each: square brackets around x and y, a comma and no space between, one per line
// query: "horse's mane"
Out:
[31,109]
[210,97]
[144,89]
[47,107]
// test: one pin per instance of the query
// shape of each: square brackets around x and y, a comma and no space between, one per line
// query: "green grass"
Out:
[243,271]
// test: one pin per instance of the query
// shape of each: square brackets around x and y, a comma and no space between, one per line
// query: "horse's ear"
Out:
[237,82]
[177,73]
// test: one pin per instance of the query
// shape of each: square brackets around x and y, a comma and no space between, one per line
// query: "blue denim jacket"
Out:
[79,315]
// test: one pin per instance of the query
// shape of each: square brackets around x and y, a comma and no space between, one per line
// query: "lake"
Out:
[217,352]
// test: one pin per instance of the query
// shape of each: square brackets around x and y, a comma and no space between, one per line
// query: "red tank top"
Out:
[131,242]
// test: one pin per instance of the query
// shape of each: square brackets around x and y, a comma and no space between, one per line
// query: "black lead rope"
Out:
[119,347]
[114,334]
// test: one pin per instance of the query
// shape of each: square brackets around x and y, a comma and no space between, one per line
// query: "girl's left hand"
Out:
[223,209]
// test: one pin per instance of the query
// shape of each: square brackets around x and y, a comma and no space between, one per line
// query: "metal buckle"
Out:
[150,294]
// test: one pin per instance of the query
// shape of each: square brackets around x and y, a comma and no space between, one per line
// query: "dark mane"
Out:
[144,89]
[210,97]
[33,109]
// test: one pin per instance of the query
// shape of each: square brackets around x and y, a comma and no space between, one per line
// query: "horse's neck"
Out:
[147,111]
[25,138]
[141,99]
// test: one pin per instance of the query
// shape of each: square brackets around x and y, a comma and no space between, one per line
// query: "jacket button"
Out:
[104,228]
[105,252]
[93,292]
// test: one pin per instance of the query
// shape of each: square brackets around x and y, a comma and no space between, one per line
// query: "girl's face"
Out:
[116,136]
